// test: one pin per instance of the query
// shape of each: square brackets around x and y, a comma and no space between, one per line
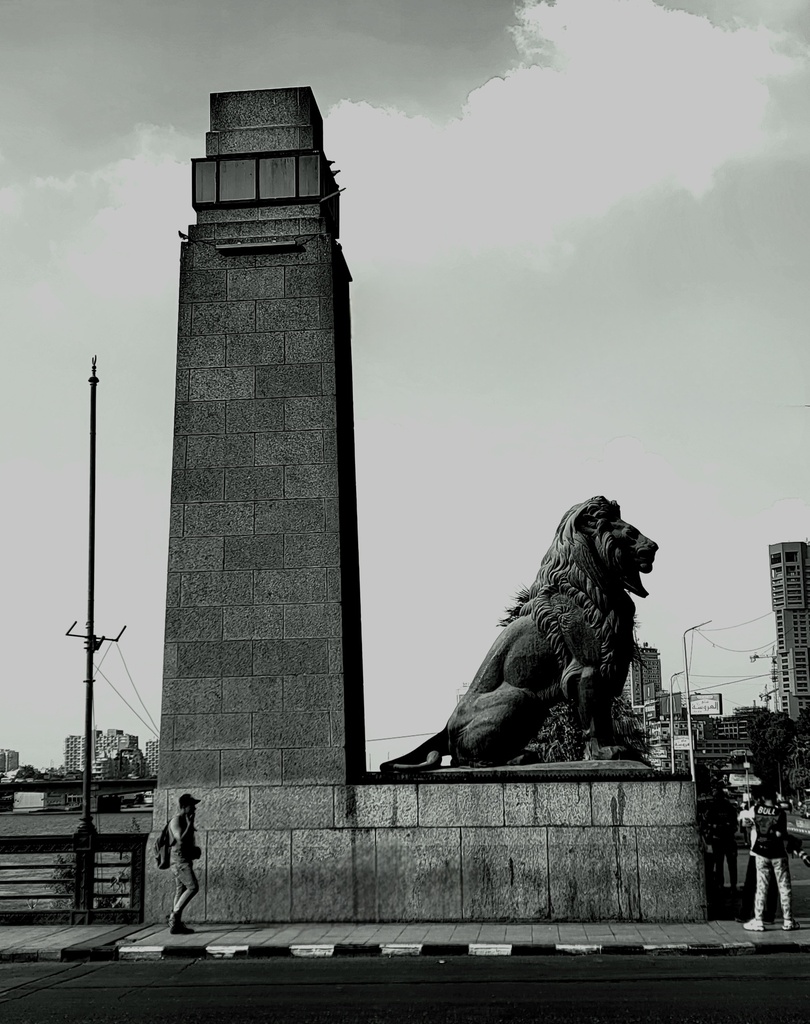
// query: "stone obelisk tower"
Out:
[263,679]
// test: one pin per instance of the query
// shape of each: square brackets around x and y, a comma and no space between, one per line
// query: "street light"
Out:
[689,698]
[672,723]
[86,829]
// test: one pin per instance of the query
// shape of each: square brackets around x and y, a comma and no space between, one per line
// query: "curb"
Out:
[416,949]
[110,951]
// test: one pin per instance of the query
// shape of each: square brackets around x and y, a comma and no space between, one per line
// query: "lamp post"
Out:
[689,698]
[86,824]
[92,643]
[85,840]
[672,723]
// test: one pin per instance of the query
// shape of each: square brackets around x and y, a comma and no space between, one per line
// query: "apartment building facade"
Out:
[790,600]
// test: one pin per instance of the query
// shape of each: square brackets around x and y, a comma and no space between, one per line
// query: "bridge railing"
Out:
[72,879]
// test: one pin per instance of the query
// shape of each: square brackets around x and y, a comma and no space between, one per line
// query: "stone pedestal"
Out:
[447,851]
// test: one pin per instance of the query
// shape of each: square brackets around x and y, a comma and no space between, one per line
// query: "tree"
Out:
[27,771]
[560,737]
[773,737]
[803,724]
[628,726]
[799,765]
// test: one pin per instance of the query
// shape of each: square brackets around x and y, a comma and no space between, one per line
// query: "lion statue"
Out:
[570,636]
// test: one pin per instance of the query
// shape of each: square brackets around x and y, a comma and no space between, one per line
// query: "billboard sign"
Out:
[707,704]
[738,780]
[681,742]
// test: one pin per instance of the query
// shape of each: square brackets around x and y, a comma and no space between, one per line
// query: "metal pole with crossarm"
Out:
[672,723]
[689,698]
[91,642]
[86,823]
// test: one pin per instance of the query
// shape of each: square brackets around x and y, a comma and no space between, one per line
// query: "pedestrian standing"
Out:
[770,823]
[749,886]
[184,853]
[721,826]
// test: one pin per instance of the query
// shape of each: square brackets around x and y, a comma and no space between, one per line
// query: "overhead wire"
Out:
[730,682]
[724,675]
[410,736]
[135,688]
[736,703]
[123,698]
[735,650]
[93,702]
[722,629]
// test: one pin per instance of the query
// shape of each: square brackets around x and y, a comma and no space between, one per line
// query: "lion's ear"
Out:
[586,520]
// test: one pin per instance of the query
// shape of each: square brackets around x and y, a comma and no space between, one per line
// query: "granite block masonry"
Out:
[262,712]
[263,569]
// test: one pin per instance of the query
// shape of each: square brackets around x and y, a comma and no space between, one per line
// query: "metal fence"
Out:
[72,879]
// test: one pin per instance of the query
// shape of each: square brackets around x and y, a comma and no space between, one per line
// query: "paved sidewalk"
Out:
[153,942]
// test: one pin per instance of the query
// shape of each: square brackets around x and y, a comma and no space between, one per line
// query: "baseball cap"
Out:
[187,800]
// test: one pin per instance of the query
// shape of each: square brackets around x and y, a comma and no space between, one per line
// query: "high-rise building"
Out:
[128,762]
[151,751]
[9,760]
[106,745]
[74,751]
[790,599]
[113,741]
[644,678]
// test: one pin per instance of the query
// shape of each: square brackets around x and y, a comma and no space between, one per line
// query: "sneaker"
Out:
[178,928]
[754,926]
[790,925]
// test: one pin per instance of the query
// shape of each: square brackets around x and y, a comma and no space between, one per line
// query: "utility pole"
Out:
[672,722]
[92,642]
[689,699]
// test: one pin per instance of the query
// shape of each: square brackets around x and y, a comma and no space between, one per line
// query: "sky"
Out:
[579,234]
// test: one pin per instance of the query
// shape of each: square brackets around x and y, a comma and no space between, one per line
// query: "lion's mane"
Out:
[583,571]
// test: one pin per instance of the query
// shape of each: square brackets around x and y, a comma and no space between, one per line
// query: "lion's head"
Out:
[607,552]
[595,534]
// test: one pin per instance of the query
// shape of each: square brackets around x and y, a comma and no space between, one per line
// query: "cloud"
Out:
[129,246]
[63,185]
[612,98]
[49,305]
[10,204]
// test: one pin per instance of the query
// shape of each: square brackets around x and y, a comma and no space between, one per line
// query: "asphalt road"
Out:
[772,989]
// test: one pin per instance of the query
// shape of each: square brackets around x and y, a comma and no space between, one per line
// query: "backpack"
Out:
[162,848]
[767,821]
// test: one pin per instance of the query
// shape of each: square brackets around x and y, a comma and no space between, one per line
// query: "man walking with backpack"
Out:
[184,853]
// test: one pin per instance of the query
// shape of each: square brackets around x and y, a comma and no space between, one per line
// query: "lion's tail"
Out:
[425,757]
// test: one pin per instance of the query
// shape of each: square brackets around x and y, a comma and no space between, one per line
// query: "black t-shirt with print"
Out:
[768,821]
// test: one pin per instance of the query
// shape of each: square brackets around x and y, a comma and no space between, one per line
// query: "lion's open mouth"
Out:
[632,579]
